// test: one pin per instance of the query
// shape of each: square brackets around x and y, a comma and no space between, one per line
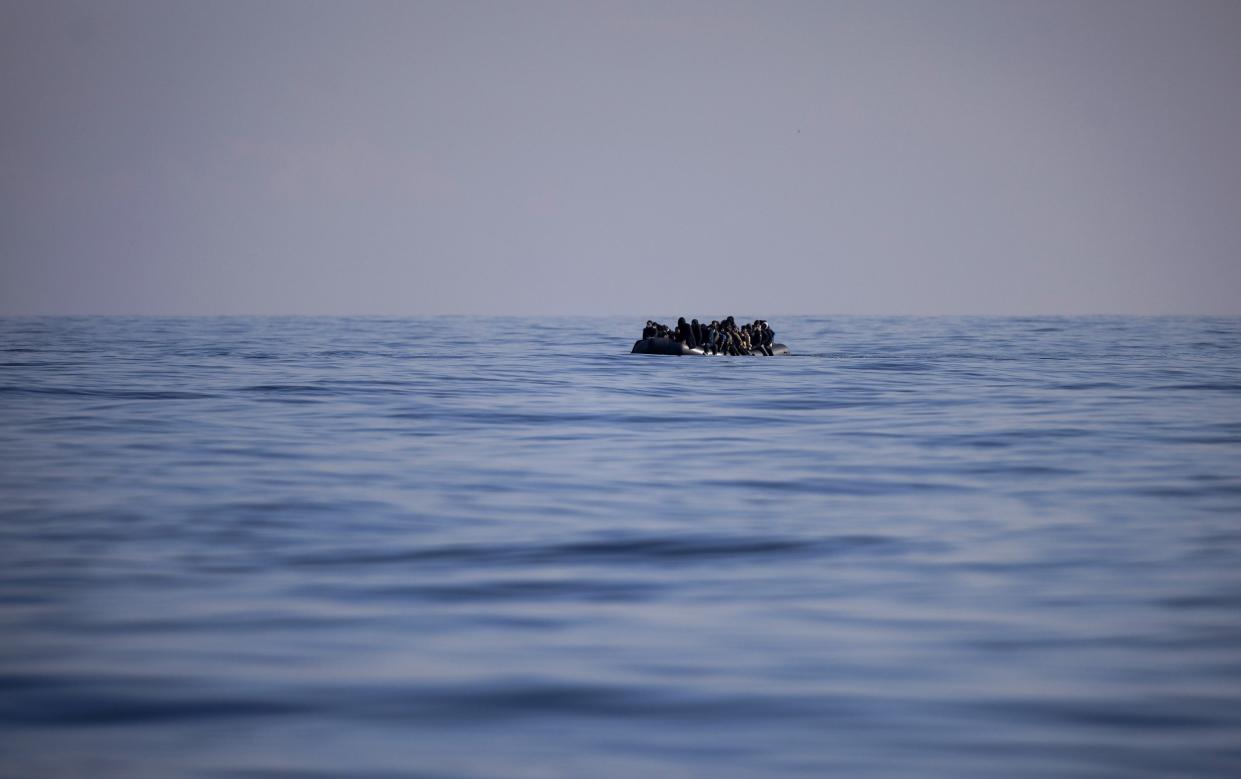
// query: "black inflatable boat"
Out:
[669,346]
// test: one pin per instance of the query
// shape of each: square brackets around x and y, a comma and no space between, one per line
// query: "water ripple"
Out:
[940,547]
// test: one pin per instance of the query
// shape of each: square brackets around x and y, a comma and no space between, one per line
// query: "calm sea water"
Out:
[478,548]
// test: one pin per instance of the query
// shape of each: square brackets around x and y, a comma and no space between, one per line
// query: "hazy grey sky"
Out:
[579,157]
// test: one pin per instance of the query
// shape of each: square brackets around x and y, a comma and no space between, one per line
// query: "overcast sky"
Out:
[535,158]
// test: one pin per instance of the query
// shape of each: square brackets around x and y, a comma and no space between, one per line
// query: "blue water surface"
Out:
[469,548]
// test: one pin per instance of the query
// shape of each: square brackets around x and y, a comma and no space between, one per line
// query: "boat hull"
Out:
[669,346]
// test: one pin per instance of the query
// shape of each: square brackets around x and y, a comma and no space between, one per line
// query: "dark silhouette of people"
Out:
[718,337]
[685,333]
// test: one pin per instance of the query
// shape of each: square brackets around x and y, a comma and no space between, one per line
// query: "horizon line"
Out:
[406,315]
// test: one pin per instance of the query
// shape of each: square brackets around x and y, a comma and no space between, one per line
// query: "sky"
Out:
[534,158]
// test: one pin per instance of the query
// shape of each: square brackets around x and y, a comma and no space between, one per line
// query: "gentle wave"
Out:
[379,547]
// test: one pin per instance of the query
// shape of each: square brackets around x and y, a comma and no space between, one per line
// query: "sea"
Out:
[493,548]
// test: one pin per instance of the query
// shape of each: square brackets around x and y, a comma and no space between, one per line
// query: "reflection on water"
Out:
[382,547]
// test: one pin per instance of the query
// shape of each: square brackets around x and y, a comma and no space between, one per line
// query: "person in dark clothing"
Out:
[697,330]
[762,337]
[684,334]
[649,331]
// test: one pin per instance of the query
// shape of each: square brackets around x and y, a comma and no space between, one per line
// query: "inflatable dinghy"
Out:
[669,346]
